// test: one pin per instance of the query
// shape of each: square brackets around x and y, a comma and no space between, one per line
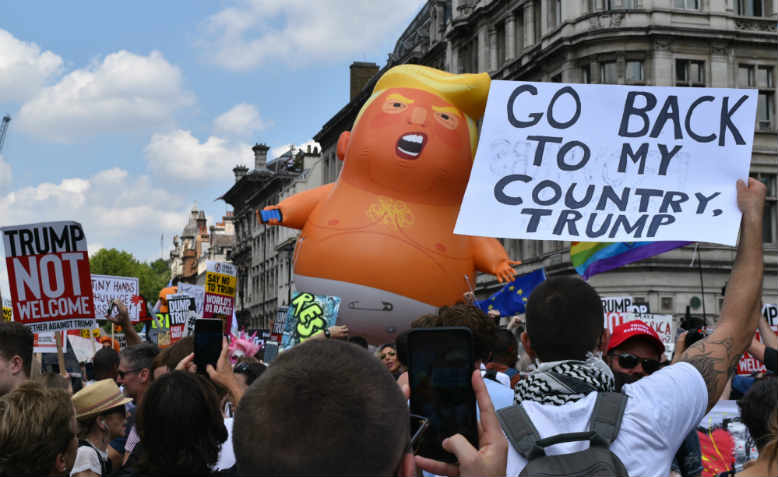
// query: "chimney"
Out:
[260,156]
[361,74]
[240,172]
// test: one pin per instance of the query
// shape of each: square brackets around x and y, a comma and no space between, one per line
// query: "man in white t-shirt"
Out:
[565,333]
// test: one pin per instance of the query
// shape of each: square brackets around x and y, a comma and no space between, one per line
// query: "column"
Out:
[719,67]
[529,24]
[483,49]
[492,49]
[510,38]
[663,63]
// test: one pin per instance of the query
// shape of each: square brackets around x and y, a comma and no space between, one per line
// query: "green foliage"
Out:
[152,277]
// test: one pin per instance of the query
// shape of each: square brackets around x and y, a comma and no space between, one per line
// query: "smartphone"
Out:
[268,215]
[440,368]
[207,342]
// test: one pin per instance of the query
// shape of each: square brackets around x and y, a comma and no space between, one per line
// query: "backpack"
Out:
[597,460]
[105,464]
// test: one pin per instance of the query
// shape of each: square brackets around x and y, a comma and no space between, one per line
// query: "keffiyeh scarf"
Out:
[561,382]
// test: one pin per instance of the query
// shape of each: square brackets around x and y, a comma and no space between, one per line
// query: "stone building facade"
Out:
[701,43]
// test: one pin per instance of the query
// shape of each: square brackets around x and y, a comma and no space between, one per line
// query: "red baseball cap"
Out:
[631,329]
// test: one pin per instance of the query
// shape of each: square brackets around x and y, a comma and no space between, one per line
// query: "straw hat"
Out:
[97,398]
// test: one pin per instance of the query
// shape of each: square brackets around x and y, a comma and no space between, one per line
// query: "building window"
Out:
[689,73]
[609,72]
[687,4]
[537,21]
[634,72]
[761,77]
[554,13]
[667,303]
[600,5]
[769,226]
[751,8]
[586,74]
[500,38]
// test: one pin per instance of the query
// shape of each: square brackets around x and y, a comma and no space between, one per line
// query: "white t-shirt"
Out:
[661,411]
[227,453]
[86,459]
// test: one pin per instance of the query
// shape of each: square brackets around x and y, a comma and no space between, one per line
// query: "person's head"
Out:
[178,351]
[401,345]
[100,409]
[354,416]
[135,369]
[159,364]
[755,408]
[564,321]
[419,128]
[180,417]
[634,352]
[358,340]
[506,349]
[770,449]
[37,431]
[248,369]
[54,380]
[470,316]
[16,341]
[387,353]
[105,364]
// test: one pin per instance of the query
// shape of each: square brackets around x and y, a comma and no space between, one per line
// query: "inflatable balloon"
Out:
[381,237]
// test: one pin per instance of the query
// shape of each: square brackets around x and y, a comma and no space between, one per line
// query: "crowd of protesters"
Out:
[331,406]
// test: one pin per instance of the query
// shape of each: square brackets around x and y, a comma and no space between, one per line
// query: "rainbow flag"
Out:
[590,258]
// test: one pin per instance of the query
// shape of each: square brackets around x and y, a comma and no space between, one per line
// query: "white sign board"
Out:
[47,343]
[662,324]
[609,163]
[107,288]
[83,348]
[195,291]
[622,304]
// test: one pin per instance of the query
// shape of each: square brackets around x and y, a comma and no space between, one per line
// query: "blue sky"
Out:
[126,113]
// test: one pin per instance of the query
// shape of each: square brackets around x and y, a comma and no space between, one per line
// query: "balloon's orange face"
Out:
[413,143]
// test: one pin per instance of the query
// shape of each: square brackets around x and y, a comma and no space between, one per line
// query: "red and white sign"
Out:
[47,343]
[48,273]
[748,364]
[662,324]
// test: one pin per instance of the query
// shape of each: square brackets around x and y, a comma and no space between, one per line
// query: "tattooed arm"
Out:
[716,356]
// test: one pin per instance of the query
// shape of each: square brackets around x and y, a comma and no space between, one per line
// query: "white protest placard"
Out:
[48,274]
[748,364]
[609,163]
[47,343]
[622,304]
[107,288]
[662,324]
[195,291]
[83,348]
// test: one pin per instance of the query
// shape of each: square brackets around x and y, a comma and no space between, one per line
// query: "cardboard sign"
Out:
[106,288]
[724,439]
[609,163]
[182,316]
[220,285]
[748,364]
[195,291]
[308,314]
[48,273]
[8,314]
[623,304]
[662,324]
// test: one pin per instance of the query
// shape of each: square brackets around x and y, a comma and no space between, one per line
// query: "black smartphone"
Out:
[440,369]
[207,342]
[268,215]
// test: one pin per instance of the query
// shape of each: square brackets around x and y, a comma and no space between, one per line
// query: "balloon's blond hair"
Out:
[466,92]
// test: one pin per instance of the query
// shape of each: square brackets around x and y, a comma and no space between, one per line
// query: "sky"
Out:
[126,114]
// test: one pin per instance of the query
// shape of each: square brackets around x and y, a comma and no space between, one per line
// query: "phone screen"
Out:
[440,372]
[207,342]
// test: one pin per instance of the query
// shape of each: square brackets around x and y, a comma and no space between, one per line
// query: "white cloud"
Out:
[182,157]
[253,32]
[122,92]
[5,174]
[240,120]
[24,68]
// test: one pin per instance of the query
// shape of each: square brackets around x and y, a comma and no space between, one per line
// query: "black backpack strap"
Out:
[491,374]
[576,385]
[607,416]
[520,431]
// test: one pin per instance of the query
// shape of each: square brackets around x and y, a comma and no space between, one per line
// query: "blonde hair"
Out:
[467,92]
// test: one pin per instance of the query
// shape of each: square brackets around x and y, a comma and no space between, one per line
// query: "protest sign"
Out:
[220,285]
[46,343]
[48,273]
[182,311]
[724,439]
[662,324]
[609,163]
[7,310]
[195,291]
[106,288]
[83,348]
[748,364]
[308,314]
[279,325]
[623,304]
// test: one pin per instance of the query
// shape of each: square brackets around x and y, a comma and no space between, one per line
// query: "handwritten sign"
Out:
[107,288]
[308,315]
[48,273]
[195,291]
[662,324]
[220,285]
[609,163]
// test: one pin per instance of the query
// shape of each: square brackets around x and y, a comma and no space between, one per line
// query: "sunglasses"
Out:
[630,361]
[388,353]
[122,374]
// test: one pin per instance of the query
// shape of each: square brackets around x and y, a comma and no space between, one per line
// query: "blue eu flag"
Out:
[512,298]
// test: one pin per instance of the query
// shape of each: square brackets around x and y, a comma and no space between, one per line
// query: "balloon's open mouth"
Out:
[409,146]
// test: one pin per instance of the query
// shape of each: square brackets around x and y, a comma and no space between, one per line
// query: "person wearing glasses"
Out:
[388,355]
[634,352]
[135,376]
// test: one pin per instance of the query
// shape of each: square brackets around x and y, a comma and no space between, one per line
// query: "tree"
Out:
[152,277]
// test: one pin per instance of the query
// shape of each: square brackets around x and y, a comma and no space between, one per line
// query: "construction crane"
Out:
[4,130]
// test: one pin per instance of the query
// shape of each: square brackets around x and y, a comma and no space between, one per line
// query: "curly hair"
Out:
[35,426]
[470,316]
[180,414]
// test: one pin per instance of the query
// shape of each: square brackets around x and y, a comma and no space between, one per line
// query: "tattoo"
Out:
[715,360]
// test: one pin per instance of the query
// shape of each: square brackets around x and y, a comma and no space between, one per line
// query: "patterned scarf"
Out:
[561,382]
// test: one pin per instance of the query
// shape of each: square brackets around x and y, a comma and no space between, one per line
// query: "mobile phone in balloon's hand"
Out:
[268,215]
[207,342]
[440,369]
